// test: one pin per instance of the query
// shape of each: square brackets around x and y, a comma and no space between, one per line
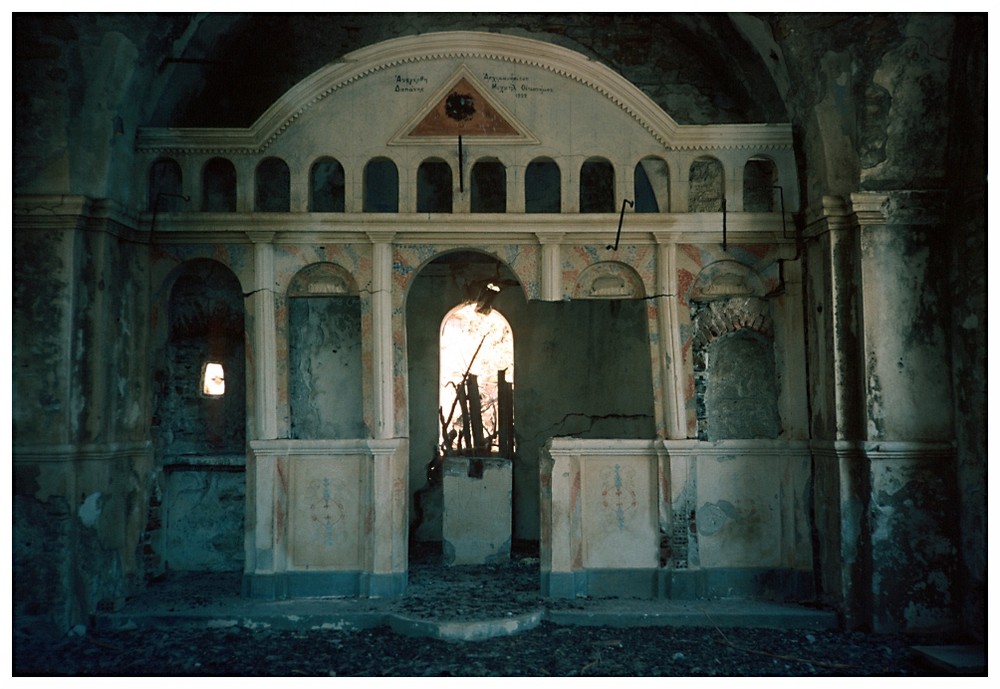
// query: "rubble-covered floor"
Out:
[437,592]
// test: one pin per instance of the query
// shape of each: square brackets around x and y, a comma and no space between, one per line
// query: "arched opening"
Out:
[652,186]
[760,176]
[542,187]
[272,189]
[461,310]
[597,186]
[218,186]
[381,190]
[326,186]
[199,423]
[489,187]
[706,186]
[434,187]
[165,187]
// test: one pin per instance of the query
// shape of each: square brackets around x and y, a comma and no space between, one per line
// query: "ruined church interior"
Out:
[692,306]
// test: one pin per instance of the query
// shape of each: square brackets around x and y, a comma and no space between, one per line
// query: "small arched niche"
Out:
[652,185]
[326,186]
[218,186]
[165,186]
[706,186]
[542,187]
[272,187]
[760,178]
[325,373]
[381,187]
[609,280]
[434,187]
[597,186]
[488,183]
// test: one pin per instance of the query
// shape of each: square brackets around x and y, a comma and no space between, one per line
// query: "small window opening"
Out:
[213,380]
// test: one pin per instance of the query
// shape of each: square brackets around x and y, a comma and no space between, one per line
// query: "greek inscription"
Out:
[405,84]
[514,84]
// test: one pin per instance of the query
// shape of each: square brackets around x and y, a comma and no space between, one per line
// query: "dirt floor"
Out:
[550,650]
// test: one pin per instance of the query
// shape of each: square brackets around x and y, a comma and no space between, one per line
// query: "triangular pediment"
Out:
[463,106]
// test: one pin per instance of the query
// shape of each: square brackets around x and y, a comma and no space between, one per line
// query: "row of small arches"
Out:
[487,186]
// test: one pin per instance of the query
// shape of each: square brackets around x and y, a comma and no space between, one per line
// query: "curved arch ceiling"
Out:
[228,69]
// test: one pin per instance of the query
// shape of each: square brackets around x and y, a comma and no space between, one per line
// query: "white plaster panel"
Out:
[619,511]
[326,519]
[750,509]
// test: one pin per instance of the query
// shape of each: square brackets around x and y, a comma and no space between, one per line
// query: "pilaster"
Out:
[382,380]
[671,414]
[263,337]
[551,267]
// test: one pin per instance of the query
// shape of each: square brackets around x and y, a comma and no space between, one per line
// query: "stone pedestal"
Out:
[476,523]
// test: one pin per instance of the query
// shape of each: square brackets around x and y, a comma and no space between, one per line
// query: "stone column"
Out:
[383,407]
[551,267]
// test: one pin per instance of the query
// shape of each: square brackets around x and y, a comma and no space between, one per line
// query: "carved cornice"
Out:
[463,45]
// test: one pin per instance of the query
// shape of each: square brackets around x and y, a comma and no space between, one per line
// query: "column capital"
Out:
[549,237]
[381,236]
[900,207]
[260,236]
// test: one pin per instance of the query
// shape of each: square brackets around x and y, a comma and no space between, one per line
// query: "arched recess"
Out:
[652,185]
[488,187]
[381,187]
[272,188]
[326,186]
[325,355]
[706,186]
[434,186]
[199,433]
[542,186]
[760,177]
[597,186]
[735,378]
[218,186]
[165,186]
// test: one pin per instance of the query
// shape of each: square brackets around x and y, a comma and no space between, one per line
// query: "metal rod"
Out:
[461,177]
[723,223]
[621,218]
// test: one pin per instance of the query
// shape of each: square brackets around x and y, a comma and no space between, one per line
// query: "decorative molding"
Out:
[324,449]
[464,45]
[752,448]
[609,280]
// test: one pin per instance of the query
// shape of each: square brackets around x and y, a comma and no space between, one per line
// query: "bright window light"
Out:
[463,330]
[213,380]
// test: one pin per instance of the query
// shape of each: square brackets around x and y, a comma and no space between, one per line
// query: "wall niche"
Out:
[324,355]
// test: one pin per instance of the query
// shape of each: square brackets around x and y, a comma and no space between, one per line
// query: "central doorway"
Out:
[461,313]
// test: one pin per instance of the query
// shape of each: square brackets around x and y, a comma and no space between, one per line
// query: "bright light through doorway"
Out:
[462,331]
